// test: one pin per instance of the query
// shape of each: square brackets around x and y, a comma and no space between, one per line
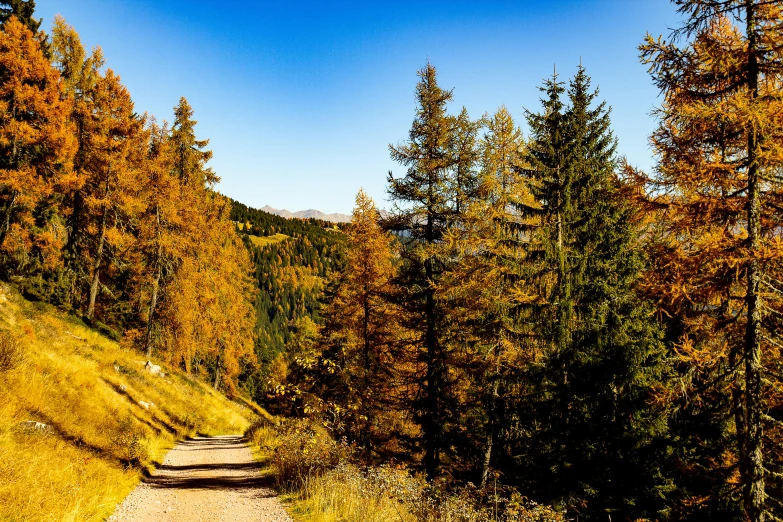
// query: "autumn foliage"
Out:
[114,216]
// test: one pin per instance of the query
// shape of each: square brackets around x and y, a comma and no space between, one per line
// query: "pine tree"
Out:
[718,257]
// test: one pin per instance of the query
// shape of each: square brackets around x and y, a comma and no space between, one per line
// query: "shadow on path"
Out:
[212,476]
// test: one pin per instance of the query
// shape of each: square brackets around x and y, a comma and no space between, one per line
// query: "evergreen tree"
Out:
[23,10]
[601,441]
[423,210]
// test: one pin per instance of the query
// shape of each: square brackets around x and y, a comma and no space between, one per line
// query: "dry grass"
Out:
[322,486]
[262,241]
[98,439]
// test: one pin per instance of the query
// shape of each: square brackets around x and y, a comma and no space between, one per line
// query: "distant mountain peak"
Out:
[306,214]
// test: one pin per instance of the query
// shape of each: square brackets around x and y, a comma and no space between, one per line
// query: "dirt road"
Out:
[212,479]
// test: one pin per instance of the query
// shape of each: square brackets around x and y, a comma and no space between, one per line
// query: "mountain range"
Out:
[306,214]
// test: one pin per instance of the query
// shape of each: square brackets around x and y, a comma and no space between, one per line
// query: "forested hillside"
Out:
[291,275]
[113,216]
[536,313]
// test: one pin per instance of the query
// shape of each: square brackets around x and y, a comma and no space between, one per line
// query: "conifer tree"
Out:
[599,443]
[485,287]
[157,247]
[423,200]
[80,74]
[23,11]
[362,328]
[718,255]
[112,159]
[36,142]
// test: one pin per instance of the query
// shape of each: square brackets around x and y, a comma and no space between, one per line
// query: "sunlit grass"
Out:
[99,439]
[262,241]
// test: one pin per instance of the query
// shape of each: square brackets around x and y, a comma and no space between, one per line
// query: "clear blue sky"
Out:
[301,99]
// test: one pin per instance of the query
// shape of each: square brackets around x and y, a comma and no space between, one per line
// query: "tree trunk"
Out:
[153,303]
[491,429]
[155,289]
[7,217]
[217,373]
[96,270]
[753,483]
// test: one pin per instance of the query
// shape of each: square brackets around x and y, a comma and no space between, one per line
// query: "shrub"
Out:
[130,444]
[11,352]
[304,450]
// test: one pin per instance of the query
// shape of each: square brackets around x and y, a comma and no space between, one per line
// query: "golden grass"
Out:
[87,389]
[262,241]
[320,484]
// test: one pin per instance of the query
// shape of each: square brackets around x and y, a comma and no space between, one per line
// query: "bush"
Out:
[380,493]
[11,352]
[318,470]
[302,451]
[130,444]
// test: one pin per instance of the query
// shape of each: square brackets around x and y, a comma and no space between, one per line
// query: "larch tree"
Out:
[158,228]
[486,286]
[114,153]
[720,150]
[361,328]
[80,74]
[36,142]
[423,209]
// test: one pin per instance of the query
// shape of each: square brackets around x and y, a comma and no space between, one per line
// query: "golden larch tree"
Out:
[36,139]
[718,251]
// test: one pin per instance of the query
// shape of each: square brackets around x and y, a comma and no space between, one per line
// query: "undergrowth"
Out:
[327,484]
[102,419]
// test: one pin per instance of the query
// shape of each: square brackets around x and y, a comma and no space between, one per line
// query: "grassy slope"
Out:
[87,388]
[262,241]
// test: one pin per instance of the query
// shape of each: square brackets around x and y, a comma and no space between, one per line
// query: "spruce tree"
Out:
[601,441]
[23,10]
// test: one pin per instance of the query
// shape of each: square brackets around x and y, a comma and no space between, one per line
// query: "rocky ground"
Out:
[210,479]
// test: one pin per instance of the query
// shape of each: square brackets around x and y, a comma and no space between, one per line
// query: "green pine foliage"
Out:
[291,275]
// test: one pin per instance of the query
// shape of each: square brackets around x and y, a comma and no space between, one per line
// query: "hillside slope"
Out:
[103,418]
[294,262]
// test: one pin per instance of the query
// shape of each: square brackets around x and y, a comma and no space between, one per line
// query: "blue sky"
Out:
[301,99]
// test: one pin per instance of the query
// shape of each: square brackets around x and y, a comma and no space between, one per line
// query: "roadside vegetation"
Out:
[75,438]
[325,480]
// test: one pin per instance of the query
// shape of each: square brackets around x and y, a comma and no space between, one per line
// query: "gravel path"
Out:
[208,479]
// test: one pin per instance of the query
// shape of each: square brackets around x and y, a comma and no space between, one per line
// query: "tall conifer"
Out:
[423,200]
[719,253]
